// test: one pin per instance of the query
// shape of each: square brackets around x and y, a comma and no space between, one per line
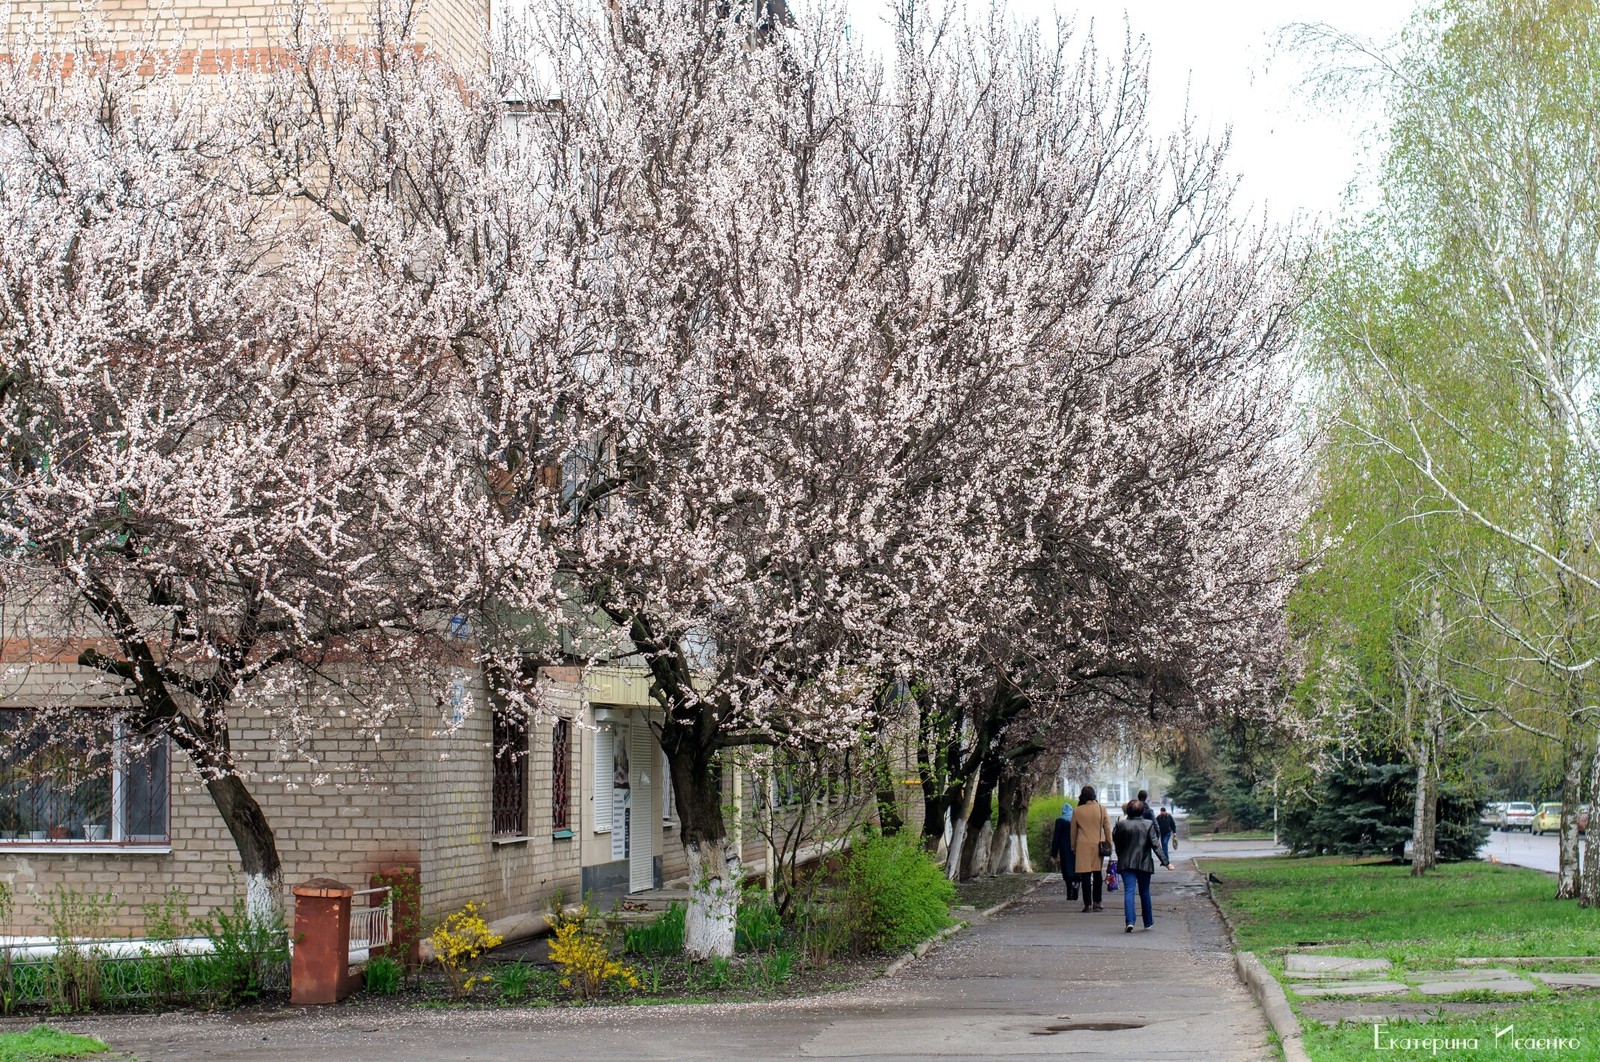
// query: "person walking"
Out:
[1149,812]
[1061,849]
[1138,845]
[1166,826]
[1091,827]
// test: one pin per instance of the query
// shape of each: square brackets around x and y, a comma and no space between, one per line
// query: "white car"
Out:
[1520,815]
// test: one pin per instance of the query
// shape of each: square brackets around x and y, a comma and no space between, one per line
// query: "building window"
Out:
[94,780]
[560,774]
[509,799]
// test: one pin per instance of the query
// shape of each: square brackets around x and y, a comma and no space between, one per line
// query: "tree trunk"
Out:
[715,871]
[1425,812]
[1008,852]
[258,849]
[1589,887]
[980,813]
[959,817]
[1572,758]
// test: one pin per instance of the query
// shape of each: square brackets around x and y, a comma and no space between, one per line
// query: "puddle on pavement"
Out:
[1089,1026]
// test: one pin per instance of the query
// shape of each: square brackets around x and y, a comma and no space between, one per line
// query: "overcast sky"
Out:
[1221,57]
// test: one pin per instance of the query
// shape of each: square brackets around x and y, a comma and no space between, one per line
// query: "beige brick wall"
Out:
[454,28]
[347,806]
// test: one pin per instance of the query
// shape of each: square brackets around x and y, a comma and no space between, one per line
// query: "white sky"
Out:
[1291,156]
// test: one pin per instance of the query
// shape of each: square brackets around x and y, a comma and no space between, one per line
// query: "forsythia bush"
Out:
[459,943]
[585,957]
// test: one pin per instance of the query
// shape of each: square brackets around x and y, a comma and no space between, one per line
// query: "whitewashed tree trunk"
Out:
[958,829]
[986,835]
[1589,885]
[714,879]
[1571,790]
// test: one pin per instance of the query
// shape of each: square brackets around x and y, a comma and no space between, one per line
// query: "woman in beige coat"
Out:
[1090,826]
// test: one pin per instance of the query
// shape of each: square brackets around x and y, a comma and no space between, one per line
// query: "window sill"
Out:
[520,839]
[82,848]
[561,835]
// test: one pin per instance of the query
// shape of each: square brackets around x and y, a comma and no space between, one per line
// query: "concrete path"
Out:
[1014,986]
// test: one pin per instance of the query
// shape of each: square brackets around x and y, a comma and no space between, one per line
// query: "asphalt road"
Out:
[1525,850]
[1023,984]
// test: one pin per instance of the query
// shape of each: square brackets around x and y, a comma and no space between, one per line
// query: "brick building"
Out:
[489,813]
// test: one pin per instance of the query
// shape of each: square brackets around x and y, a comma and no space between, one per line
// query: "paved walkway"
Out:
[1013,986]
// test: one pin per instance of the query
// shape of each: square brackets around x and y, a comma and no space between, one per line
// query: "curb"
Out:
[1266,990]
[928,945]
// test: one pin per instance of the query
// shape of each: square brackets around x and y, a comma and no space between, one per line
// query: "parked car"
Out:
[1520,815]
[1494,814]
[1548,820]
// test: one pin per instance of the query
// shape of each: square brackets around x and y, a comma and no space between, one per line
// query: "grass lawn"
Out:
[1536,1030]
[1376,909]
[43,1042]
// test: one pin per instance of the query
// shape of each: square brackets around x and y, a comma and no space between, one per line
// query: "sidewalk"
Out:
[1013,986]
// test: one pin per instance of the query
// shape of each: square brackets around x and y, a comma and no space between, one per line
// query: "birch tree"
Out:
[1488,186]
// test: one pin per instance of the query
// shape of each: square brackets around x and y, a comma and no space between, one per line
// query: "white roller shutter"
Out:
[604,769]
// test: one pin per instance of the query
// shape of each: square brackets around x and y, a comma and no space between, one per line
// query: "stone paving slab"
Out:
[1351,988]
[1303,965]
[1506,986]
[1426,977]
[1570,980]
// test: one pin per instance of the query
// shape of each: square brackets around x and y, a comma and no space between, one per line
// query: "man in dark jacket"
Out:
[1166,826]
[1149,812]
[1138,848]
[1061,849]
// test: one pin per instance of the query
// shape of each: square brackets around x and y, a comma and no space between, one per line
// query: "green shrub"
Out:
[383,976]
[248,957]
[664,936]
[758,926]
[896,894]
[1042,814]
[824,930]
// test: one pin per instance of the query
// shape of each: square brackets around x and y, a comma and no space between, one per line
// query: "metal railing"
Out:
[371,922]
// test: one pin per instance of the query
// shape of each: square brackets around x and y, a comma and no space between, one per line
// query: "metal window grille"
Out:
[83,778]
[560,773]
[509,799]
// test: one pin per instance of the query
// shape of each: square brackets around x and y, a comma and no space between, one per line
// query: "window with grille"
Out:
[560,774]
[93,779]
[509,798]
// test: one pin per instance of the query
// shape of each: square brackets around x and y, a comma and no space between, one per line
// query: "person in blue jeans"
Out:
[1138,846]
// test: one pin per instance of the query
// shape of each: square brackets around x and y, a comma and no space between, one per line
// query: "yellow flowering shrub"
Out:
[584,957]
[458,943]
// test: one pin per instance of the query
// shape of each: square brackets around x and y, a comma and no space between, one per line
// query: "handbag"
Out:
[1111,877]
[1106,849]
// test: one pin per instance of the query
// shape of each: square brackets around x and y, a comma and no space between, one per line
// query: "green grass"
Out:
[1377,910]
[41,1042]
[1572,1018]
